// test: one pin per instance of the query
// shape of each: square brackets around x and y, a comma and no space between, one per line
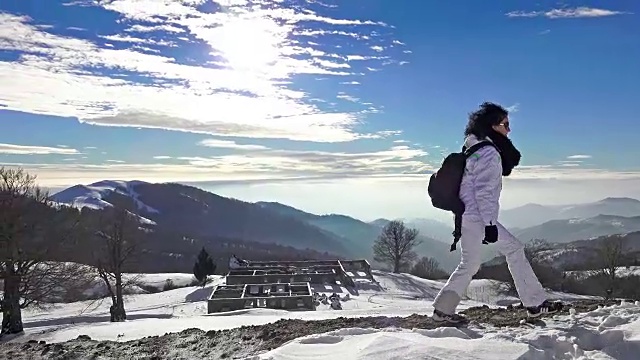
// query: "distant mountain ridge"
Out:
[357,233]
[434,228]
[361,235]
[535,214]
[431,228]
[564,231]
[578,254]
[91,196]
[195,212]
[165,247]
[192,212]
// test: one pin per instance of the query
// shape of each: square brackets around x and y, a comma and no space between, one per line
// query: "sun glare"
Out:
[251,45]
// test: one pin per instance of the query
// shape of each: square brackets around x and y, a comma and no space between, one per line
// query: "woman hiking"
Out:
[480,192]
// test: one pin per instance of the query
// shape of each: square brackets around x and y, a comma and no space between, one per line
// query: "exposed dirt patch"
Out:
[247,340]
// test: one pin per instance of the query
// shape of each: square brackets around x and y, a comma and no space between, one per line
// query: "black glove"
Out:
[490,234]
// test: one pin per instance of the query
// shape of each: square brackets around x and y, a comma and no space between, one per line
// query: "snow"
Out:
[606,333]
[355,343]
[621,271]
[138,283]
[159,280]
[91,195]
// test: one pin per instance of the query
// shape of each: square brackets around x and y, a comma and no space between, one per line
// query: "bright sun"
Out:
[251,44]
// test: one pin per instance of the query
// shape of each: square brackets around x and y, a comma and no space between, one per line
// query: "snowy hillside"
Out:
[535,214]
[179,210]
[611,331]
[93,195]
[179,309]
[622,271]
[568,230]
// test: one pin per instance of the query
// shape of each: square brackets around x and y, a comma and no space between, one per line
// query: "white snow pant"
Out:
[529,288]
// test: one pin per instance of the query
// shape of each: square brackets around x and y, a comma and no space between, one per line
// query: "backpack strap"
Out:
[471,150]
[457,231]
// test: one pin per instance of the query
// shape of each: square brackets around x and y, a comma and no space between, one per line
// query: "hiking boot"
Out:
[439,316]
[547,307]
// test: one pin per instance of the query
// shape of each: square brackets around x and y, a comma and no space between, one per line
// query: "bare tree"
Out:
[395,245]
[609,256]
[32,233]
[428,268]
[119,241]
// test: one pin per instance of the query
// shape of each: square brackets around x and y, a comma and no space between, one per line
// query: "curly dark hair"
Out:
[481,120]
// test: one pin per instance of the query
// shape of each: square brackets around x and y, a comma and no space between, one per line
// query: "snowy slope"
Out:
[92,196]
[606,333]
[141,283]
[180,309]
[622,271]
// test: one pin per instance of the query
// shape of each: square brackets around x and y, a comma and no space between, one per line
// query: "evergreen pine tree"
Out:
[203,267]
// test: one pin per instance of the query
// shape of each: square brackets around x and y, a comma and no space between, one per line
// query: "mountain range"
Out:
[567,230]
[361,235]
[190,212]
[584,254]
[195,213]
[534,214]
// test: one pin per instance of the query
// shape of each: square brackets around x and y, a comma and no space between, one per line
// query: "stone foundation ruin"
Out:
[283,284]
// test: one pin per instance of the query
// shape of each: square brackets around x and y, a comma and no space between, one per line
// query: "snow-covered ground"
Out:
[140,283]
[608,333]
[622,271]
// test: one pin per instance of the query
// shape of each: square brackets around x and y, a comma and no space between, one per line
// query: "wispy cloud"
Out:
[347,97]
[268,164]
[514,108]
[396,160]
[570,172]
[132,39]
[145,29]
[239,89]
[12,149]
[579,156]
[263,164]
[578,12]
[285,167]
[226,144]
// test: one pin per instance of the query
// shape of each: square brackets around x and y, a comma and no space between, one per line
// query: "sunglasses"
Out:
[505,124]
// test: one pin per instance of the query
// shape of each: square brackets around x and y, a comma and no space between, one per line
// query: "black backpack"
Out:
[444,185]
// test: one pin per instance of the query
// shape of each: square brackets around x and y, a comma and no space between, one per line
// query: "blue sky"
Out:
[331,106]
